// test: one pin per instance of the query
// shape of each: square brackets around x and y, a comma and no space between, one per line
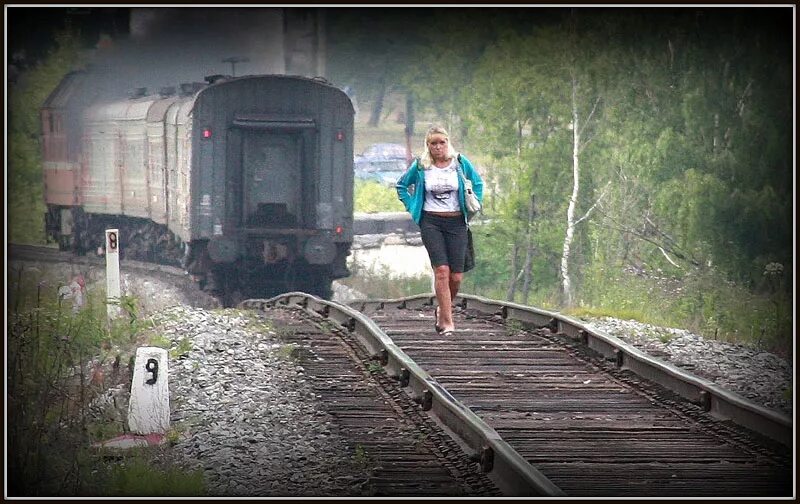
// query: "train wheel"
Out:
[80,231]
[212,282]
[317,282]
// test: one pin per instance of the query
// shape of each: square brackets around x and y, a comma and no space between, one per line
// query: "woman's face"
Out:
[437,144]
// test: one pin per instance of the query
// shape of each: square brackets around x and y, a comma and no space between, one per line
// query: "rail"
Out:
[510,470]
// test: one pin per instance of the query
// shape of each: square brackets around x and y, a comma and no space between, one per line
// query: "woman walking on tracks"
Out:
[437,203]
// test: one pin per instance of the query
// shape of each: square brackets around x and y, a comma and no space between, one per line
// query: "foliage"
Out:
[685,160]
[371,56]
[26,205]
[370,196]
[160,341]
[25,98]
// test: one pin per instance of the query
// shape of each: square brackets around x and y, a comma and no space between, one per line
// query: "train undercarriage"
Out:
[231,282]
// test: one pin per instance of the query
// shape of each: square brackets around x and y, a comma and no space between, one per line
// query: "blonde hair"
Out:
[426,160]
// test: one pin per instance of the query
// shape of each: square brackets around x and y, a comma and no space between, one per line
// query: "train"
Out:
[245,182]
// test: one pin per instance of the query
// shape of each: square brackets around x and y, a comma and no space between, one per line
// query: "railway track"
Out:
[396,448]
[521,402]
[407,452]
[34,253]
[550,408]
[93,268]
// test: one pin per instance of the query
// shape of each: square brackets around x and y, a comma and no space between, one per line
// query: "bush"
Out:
[371,197]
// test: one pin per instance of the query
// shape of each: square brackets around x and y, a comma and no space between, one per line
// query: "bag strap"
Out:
[467,182]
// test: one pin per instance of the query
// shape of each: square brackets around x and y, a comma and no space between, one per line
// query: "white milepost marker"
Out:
[112,273]
[148,409]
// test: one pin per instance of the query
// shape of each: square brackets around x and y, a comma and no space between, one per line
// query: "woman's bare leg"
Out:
[455,283]
[441,285]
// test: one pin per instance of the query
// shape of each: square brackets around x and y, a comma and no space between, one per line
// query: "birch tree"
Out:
[577,147]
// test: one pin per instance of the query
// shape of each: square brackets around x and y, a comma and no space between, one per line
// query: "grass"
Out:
[138,478]
[598,312]
[702,303]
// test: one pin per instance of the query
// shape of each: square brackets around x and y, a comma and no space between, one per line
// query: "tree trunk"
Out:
[529,249]
[512,286]
[409,129]
[573,200]
[516,275]
[377,109]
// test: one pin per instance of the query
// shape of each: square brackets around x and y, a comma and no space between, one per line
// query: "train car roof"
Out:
[227,79]
[147,108]
[71,86]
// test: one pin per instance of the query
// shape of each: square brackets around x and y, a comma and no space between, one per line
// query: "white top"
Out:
[441,189]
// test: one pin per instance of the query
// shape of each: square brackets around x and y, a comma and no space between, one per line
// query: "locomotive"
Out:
[245,182]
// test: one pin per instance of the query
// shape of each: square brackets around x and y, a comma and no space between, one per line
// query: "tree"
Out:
[25,99]
[372,49]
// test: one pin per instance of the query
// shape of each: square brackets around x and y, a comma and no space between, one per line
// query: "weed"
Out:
[597,312]
[361,458]
[160,341]
[100,431]
[374,368]
[378,281]
[174,434]
[184,347]
[514,326]
[288,351]
[419,441]
[258,324]
[664,337]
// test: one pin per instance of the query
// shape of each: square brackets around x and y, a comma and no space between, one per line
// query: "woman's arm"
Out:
[472,174]
[406,182]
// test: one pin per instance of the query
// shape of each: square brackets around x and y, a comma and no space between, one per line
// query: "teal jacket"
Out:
[415,177]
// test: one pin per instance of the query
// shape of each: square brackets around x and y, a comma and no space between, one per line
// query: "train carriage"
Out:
[247,182]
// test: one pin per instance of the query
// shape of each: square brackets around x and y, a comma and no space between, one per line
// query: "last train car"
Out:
[247,182]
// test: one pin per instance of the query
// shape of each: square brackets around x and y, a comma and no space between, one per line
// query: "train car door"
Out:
[272,179]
